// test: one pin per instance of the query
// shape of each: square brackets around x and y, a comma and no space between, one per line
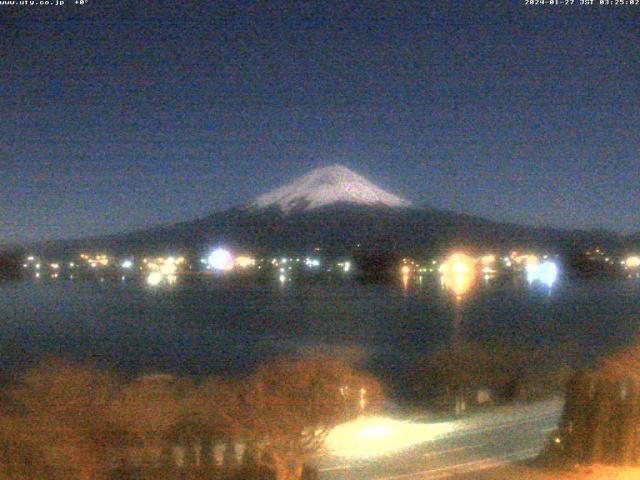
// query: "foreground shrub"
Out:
[64,421]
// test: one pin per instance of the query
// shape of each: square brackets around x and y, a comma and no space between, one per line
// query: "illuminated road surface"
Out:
[387,449]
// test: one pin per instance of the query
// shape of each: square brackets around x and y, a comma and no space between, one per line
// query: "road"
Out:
[394,449]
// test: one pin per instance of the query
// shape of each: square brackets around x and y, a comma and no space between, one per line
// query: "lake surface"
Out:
[217,327]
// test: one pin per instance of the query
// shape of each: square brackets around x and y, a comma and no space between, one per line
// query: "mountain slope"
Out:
[338,229]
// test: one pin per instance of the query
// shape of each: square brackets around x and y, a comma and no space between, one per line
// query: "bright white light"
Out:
[127,264]
[459,268]
[168,268]
[154,279]
[220,260]
[371,437]
[632,261]
[549,273]
[283,278]
[312,262]
[532,273]
[545,273]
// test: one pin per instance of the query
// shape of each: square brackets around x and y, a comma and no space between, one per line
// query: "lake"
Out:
[209,326]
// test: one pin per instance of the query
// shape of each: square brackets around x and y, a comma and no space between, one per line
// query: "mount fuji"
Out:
[337,210]
[326,186]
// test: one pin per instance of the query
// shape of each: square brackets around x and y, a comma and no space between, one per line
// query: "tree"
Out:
[10,265]
[602,410]
[61,412]
[149,409]
[150,406]
[20,457]
[287,407]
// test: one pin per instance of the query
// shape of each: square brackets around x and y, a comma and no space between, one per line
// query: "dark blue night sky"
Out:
[118,115]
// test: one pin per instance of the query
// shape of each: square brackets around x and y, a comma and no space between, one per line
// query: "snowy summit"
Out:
[325,186]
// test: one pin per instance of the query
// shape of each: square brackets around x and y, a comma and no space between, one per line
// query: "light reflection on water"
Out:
[208,326]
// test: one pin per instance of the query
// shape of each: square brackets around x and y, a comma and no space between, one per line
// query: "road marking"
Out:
[452,450]
[489,463]
[477,465]
[470,430]
[331,469]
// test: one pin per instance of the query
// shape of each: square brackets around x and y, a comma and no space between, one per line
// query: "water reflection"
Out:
[405,282]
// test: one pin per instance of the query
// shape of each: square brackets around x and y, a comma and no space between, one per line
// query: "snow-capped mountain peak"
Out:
[325,186]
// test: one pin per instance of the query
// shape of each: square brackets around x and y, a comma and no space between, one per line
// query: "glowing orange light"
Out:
[458,273]
[632,261]
[244,261]
[487,260]
[163,269]
[405,282]
[168,268]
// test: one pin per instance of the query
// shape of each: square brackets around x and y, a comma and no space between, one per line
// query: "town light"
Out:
[312,262]
[458,273]
[487,260]
[244,261]
[220,260]
[632,261]
[545,273]
[168,267]
[154,279]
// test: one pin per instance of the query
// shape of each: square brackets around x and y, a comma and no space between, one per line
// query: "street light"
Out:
[363,401]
